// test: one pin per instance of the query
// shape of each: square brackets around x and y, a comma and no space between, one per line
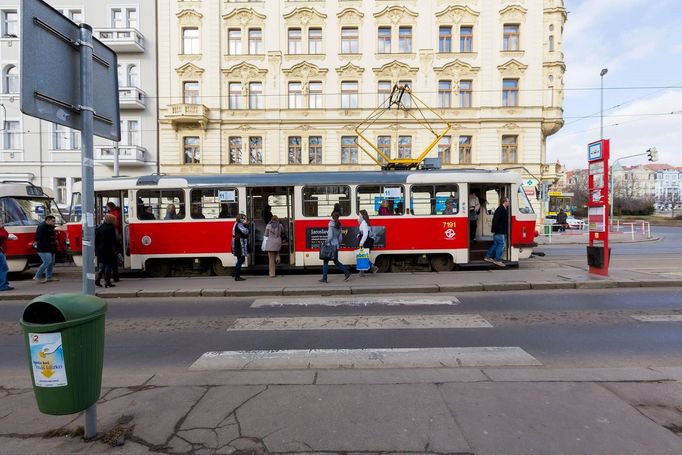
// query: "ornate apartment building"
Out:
[265,85]
[49,155]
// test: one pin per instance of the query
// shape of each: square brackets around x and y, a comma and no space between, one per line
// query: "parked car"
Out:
[575,223]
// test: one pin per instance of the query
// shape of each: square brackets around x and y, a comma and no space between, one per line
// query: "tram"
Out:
[22,207]
[179,224]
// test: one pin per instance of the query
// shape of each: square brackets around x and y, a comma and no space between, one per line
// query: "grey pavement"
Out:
[481,411]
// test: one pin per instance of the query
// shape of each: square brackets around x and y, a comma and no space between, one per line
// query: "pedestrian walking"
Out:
[500,227]
[366,239]
[106,249]
[561,220]
[46,243]
[240,244]
[4,268]
[334,234]
[272,243]
[116,212]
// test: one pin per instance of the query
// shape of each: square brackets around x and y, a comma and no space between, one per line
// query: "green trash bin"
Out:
[64,336]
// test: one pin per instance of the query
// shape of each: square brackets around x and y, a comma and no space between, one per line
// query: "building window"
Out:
[133,76]
[510,92]
[295,95]
[465,149]
[509,149]
[315,95]
[12,135]
[349,40]
[192,150]
[314,40]
[294,149]
[295,41]
[234,41]
[256,100]
[445,39]
[60,190]
[190,92]
[124,17]
[255,150]
[130,130]
[75,15]
[384,146]
[407,99]
[10,24]
[384,40]
[383,92]
[11,82]
[465,93]
[349,95]
[551,43]
[255,41]
[349,150]
[444,149]
[235,145]
[444,94]
[315,150]
[466,39]
[510,40]
[405,39]
[190,40]
[404,147]
[64,138]
[235,94]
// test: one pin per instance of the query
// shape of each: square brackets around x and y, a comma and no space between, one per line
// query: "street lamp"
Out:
[601,117]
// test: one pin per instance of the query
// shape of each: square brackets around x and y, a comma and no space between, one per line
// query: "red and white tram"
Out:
[22,207]
[184,223]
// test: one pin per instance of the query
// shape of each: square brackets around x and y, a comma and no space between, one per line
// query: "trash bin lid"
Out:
[70,309]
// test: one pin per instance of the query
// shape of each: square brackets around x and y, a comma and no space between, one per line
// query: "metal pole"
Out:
[87,173]
[601,111]
[116,158]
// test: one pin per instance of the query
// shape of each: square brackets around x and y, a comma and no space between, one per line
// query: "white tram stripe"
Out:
[438,321]
[658,317]
[353,301]
[365,358]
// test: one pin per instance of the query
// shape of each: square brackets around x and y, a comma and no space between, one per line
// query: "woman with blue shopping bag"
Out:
[362,262]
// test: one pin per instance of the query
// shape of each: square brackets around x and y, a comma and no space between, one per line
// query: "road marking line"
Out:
[439,321]
[659,317]
[353,301]
[365,358]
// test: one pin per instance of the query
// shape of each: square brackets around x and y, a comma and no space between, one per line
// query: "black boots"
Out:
[98,280]
[107,280]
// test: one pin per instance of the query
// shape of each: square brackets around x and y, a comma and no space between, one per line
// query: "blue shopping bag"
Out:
[362,259]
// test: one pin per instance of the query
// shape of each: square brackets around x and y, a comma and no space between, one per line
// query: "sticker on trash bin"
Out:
[47,359]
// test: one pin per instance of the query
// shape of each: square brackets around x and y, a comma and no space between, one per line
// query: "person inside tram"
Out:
[449,207]
[385,208]
[267,214]
[224,211]
[399,209]
[171,214]
[197,212]
[148,213]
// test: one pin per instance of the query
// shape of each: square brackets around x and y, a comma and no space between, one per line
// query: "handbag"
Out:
[264,246]
[362,259]
[327,251]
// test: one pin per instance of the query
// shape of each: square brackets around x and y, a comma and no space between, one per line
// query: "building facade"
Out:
[49,155]
[280,85]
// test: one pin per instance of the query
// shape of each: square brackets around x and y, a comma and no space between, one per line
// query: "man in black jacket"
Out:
[46,244]
[500,228]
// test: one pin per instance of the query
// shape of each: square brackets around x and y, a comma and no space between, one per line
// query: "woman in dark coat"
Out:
[240,244]
[106,250]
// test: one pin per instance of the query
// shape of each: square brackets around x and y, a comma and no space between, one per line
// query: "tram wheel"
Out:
[219,270]
[158,269]
[442,263]
[383,263]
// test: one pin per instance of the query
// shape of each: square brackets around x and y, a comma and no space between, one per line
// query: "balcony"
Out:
[128,155]
[131,98]
[121,39]
[188,114]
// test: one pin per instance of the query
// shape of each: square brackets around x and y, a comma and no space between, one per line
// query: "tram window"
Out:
[320,200]
[27,212]
[160,205]
[523,202]
[381,200]
[435,200]
[214,203]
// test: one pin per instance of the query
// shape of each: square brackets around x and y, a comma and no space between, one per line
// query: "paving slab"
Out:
[213,292]
[187,293]
[400,376]
[400,289]
[156,293]
[575,374]
[317,290]
[544,285]
[471,287]
[506,286]
[213,378]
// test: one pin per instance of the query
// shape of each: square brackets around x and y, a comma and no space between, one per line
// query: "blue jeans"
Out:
[497,247]
[4,268]
[325,268]
[47,265]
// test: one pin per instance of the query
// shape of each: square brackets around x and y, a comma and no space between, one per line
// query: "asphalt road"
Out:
[577,328]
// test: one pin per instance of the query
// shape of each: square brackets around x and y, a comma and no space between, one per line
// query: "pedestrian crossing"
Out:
[658,317]
[355,301]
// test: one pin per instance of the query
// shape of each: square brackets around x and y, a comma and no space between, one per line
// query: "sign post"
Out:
[598,251]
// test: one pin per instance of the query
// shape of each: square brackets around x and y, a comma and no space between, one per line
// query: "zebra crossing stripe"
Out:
[303,359]
[658,317]
[354,301]
[439,321]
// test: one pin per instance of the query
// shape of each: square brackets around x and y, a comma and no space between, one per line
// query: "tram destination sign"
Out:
[50,72]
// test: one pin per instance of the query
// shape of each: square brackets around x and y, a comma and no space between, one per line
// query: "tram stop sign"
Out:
[50,72]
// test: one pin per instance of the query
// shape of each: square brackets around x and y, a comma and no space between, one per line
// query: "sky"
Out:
[640,42]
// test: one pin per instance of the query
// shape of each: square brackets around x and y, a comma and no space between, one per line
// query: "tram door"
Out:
[262,203]
[490,200]
[120,198]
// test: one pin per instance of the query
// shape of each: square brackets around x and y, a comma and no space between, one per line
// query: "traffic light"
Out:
[652,153]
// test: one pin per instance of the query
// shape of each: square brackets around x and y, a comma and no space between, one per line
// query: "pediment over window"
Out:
[244,17]
[395,70]
[245,71]
[510,127]
[189,70]
[350,16]
[305,16]
[189,17]
[512,68]
[396,15]
[458,14]
[305,71]
[513,13]
[457,69]
[350,70]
